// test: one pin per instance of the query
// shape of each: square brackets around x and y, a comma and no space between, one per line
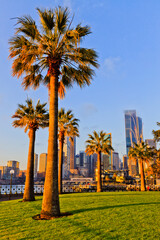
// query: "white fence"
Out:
[18,189]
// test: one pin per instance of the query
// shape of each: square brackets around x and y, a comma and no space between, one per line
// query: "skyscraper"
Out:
[13,165]
[73,153]
[110,152]
[151,143]
[82,157]
[125,162]
[69,153]
[42,162]
[35,165]
[134,134]
[105,162]
[115,161]
[133,129]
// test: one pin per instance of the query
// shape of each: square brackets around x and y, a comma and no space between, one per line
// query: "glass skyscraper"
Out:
[134,134]
[133,129]
[110,153]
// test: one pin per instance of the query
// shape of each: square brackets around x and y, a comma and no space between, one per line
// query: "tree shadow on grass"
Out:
[79,195]
[108,207]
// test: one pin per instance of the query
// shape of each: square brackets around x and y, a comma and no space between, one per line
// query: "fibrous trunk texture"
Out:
[50,204]
[29,183]
[143,185]
[99,181]
[61,143]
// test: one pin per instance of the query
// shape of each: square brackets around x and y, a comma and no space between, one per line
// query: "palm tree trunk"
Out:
[143,185]
[61,142]
[99,181]
[29,183]
[50,204]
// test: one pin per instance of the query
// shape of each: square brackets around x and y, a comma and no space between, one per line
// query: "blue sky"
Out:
[126,35]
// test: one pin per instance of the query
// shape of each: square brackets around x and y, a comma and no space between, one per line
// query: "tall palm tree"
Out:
[98,143]
[31,118]
[67,126]
[49,55]
[144,154]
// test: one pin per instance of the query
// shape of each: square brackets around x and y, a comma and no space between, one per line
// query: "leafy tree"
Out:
[144,154]
[98,143]
[154,169]
[31,118]
[51,54]
[67,126]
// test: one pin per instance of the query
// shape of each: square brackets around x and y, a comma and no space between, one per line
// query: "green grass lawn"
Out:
[111,215]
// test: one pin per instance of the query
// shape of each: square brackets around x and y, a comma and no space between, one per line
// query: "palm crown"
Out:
[54,49]
[31,117]
[98,142]
[67,124]
[142,152]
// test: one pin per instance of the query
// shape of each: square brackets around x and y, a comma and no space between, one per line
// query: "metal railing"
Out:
[19,189]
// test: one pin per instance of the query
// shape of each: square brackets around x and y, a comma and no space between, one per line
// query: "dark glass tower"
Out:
[134,134]
[133,129]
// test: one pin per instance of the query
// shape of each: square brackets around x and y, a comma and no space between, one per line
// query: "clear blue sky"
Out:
[126,35]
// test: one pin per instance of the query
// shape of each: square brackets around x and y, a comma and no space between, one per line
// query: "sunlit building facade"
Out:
[35,165]
[42,162]
[115,156]
[110,153]
[12,165]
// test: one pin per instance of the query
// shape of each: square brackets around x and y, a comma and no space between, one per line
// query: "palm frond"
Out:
[29,116]
[47,19]
[37,52]
[98,142]
[67,123]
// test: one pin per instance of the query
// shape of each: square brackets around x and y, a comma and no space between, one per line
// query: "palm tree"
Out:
[31,118]
[98,143]
[67,126]
[51,54]
[154,168]
[156,133]
[144,154]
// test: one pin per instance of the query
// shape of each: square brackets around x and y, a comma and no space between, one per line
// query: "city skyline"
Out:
[128,64]
[121,154]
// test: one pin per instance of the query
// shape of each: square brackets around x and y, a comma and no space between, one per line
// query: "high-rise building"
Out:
[42,162]
[134,134]
[133,129]
[125,162]
[35,165]
[151,143]
[115,161]
[105,162]
[120,164]
[77,161]
[109,135]
[89,164]
[13,165]
[73,153]
[3,170]
[82,158]
[67,158]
